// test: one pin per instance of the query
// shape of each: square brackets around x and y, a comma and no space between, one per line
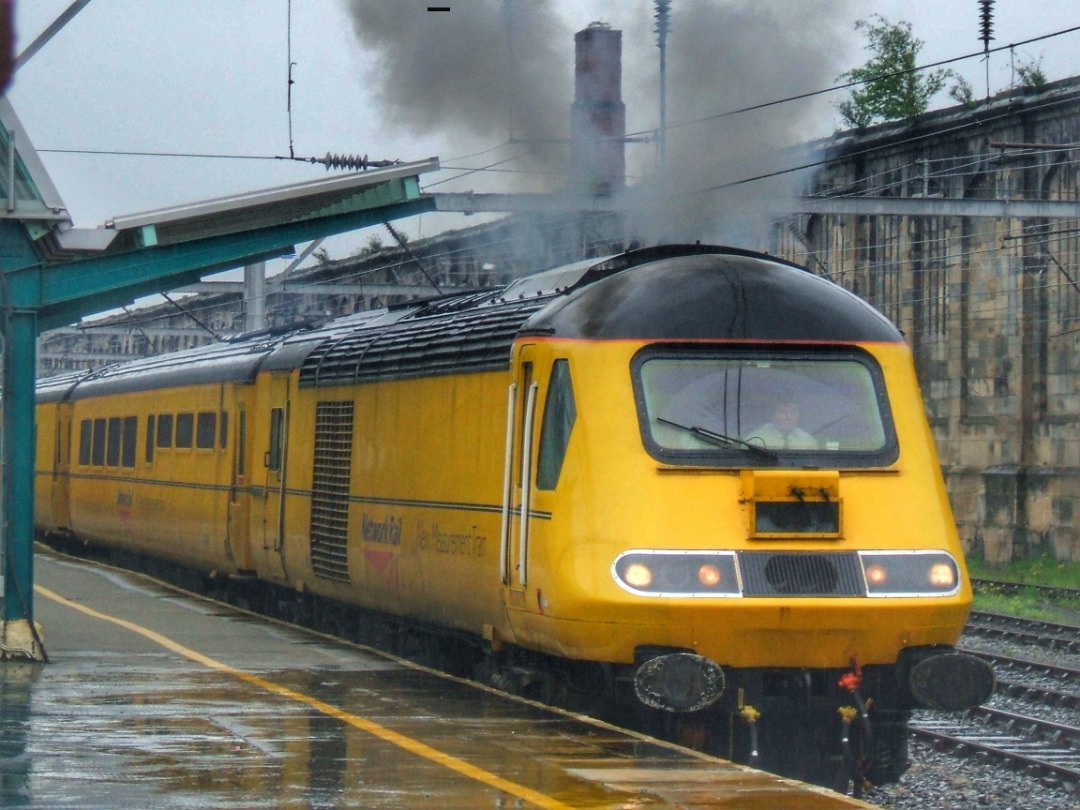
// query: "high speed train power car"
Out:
[693,481]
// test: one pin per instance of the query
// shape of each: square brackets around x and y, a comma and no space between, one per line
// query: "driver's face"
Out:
[787,416]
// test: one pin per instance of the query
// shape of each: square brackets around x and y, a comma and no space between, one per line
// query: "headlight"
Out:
[638,575]
[910,573]
[677,573]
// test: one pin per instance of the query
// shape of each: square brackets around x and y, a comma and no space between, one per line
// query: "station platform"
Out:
[154,698]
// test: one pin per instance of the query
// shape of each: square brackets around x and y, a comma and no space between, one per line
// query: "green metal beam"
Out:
[71,310]
[115,279]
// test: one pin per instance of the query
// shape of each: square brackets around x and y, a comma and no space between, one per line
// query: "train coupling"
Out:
[948,680]
[679,682]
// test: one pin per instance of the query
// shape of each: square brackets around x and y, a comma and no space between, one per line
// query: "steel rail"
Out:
[1028,726]
[1045,634]
[1053,698]
[1035,755]
[1002,586]
[1068,674]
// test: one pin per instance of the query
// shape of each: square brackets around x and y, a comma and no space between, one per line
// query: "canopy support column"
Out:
[19,637]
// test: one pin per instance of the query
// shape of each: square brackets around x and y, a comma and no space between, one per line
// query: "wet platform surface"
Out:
[155,699]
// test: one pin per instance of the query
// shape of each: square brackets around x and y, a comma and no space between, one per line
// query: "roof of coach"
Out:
[57,387]
[237,361]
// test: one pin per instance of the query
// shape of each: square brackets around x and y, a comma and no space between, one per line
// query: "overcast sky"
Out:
[390,79]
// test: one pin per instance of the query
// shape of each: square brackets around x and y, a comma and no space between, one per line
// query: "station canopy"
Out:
[32,198]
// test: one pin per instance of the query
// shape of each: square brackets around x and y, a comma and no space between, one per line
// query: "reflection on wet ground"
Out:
[118,721]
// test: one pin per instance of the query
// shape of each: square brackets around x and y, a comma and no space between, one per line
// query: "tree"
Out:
[892,89]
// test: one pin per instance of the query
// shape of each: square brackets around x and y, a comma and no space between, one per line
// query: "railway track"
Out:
[1019,678]
[1051,635]
[1068,675]
[1049,591]
[1006,734]
[1038,746]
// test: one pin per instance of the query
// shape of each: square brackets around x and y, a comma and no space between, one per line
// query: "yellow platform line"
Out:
[375,729]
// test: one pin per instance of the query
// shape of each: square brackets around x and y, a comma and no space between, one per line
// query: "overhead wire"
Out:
[493,167]
[819,92]
[716,116]
[847,85]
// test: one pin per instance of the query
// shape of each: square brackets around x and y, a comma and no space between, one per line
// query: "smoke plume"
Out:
[484,73]
[725,56]
[492,70]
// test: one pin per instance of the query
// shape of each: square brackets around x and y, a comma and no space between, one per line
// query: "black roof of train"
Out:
[671,292]
[714,294]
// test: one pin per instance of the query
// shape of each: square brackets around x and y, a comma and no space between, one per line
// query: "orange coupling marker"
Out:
[749,714]
[851,680]
[848,714]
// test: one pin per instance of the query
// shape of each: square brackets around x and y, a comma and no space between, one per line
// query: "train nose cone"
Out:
[951,681]
[679,682]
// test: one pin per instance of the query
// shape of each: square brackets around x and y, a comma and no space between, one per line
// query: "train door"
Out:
[517,483]
[275,463]
[61,478]
[239,526]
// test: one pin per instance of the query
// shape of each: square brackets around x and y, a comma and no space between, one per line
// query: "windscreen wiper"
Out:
[722,440]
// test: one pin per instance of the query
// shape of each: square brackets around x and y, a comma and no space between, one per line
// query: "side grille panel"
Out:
[330,490]
[801,574]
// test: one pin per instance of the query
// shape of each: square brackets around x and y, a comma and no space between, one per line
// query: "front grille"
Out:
[800,574]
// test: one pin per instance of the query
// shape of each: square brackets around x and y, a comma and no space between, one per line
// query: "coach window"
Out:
[97,456]
[127,451]
[223,430]
[206,430]
[164,430]
[150,437]
[273,458]
[560,413]
[86,441]
[112,453]
[185,429]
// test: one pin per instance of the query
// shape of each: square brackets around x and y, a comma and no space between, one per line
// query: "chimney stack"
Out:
[598,115]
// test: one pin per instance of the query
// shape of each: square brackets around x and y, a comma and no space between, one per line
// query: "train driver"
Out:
[783,431]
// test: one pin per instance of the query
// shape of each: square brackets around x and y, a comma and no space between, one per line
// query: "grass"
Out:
[1041,570]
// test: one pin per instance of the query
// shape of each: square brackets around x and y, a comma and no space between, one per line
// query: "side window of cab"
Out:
[560,413]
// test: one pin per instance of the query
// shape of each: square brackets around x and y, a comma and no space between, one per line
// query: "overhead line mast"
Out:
[986,33]
[663,25]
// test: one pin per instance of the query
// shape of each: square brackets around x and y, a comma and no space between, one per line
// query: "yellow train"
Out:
[691,479]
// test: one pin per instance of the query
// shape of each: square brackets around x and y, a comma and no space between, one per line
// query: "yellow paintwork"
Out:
[623,499]
[425,512]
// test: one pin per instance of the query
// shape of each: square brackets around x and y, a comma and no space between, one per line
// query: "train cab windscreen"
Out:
[754,409]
